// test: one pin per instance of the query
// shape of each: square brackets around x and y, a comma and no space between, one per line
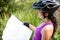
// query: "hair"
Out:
[53,20]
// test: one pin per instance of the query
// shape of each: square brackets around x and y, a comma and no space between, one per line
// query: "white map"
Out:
[15,30]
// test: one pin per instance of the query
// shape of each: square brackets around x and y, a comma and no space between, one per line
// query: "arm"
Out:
[32,27]
[29,26]
[47,32]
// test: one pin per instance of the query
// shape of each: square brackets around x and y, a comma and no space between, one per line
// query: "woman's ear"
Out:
[46,14]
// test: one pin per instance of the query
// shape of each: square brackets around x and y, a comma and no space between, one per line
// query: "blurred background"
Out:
[22,9]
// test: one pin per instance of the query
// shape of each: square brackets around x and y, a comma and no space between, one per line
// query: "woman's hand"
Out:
[26,24]
[29,26]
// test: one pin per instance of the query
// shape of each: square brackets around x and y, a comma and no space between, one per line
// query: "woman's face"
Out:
[40,14]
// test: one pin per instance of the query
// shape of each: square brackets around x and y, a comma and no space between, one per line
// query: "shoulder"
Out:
[47,32]
[48,28]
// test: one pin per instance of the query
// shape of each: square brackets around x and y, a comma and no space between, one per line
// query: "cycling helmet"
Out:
[46,5]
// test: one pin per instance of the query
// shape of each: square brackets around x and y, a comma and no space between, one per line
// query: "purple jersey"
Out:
[37,34]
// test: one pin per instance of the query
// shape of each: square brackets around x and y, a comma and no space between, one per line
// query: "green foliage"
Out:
[22,9]
[3,5]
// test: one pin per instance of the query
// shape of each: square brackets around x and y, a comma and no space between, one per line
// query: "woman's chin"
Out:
[40,17]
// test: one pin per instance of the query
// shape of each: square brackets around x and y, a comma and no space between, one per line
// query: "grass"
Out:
[24,13]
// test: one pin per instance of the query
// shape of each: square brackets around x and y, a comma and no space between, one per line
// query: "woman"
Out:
[47,28]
